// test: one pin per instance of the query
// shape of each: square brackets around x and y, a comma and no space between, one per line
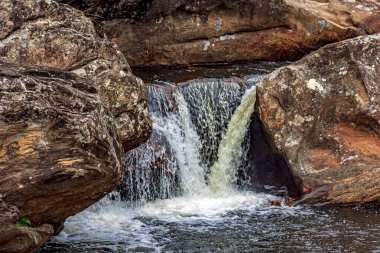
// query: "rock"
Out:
[184,32]
[46,33]
[323,114]
[20,239]
[267,171]
[58,143]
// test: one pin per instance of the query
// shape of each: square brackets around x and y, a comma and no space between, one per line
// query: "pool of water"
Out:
[234,222]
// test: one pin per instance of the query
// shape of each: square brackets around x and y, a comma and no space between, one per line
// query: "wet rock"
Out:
[322,113]
[59,150]
[195,32]
[46,33]
[267,170]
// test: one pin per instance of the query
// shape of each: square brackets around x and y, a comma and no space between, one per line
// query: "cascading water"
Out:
[211,103]
[223,172]
[192,174]
[187,129]
[179,192]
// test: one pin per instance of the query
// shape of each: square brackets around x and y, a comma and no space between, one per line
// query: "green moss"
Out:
[24,222]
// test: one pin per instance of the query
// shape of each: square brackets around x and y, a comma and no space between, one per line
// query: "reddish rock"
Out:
[195,32]
[323,114]
[69,109]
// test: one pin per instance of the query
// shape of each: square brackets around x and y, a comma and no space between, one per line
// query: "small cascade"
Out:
[198,141]
[168,164]
[179,191]
[211,105]
[151,169]
[192,174]
[230,151]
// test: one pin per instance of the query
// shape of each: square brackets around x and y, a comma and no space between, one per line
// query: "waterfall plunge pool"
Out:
[240,222]
[177,210]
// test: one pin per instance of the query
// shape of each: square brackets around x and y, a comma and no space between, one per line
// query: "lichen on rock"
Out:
[323,114]
[46,33]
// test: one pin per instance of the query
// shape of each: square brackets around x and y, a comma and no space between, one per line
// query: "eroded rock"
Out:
[196,32]
[323,114]
[46,33]
[59,143]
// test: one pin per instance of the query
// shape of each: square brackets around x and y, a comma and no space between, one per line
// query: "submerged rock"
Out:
[46,33]
[59,147]
[323,114]
[192,32]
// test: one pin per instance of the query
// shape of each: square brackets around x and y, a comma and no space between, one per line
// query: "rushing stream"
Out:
[180,192]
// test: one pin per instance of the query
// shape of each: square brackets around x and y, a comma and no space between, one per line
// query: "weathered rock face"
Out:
[323,114]
[192,32]
[46,33]
[69,108]
[59,148]
[20,239]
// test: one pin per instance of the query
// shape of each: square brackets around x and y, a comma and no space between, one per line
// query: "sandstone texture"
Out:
[59,147]
[69,109]
[323,114]
[183,32]
[20,239]
[46,33]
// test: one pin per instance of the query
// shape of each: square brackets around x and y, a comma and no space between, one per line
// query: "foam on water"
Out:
[115,226]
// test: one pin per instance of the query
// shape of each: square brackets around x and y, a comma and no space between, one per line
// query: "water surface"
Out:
[239,222]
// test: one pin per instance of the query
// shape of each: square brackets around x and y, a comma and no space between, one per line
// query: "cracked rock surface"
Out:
[46,33]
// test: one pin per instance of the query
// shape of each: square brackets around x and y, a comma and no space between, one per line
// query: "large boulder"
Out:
[323,114]
[60,151]
[46,33]
[172,32]
[69,109]
[56,135]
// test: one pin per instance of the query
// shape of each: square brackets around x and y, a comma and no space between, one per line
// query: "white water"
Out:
[223,172]
[115,222]
[192,174]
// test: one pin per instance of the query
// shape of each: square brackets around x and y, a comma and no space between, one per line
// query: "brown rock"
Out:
[20,239]
[68,101]
[323,114]
[46,33]
[58,144]
[194,32]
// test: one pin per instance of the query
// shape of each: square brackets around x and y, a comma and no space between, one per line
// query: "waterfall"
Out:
[192,174]
[152,168]
[223,171]
[211,103]
[197,143]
